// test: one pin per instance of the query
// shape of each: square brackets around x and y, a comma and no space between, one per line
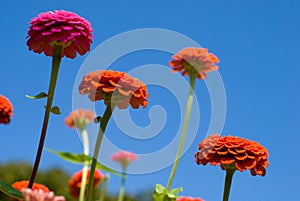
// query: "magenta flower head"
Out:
[40,195]
[124,158]
[60,27]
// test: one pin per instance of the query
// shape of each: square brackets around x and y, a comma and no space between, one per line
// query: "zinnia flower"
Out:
[193,60]
[80,118]
[234,153]
[40,195]
[124,158]
[60,28]
[188,199]
[114,87]
[6,110]
[75,182]
[21,185]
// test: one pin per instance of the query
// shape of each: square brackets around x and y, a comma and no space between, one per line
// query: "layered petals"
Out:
[114,87]
[80,118]
[6,110]
[193,60]
[40,195]
[21,185]
[60,27]
[231,151]
[75,182]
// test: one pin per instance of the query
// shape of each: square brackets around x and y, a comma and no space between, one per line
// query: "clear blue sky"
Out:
[257,43]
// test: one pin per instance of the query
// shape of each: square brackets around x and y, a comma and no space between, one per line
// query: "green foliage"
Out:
[38,96]
[56,179]
[10,191]
[55,110]
[162,194]
[82,158]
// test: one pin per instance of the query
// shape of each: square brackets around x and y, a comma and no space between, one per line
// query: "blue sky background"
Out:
[257,43]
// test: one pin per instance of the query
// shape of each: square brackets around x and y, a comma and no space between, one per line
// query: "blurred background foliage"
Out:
[56,179]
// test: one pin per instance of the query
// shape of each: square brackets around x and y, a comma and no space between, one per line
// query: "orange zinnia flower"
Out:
[233,152]
[20,185]
[80,118]
[194,61]
[6,110]
[188,199]
[75,182]
[114,87]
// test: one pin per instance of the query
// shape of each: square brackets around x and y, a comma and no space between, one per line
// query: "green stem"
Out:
[104,190]
[227,185]
[103,124]
[85,141]
[122,188]
[56,59]
[183,134]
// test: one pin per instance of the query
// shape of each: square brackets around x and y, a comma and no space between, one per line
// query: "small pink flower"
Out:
[80,118]
[61,27]
[124,157]
[188,199]
[40,195]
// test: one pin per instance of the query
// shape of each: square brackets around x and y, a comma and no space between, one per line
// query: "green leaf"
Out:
[39,96]
[159,188]
[82,158]
[73,158]
[159,193]
[173,193]
[10,191]
[162,194]
[55,110]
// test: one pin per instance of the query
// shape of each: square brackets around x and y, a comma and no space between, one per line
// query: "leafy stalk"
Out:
[56,59]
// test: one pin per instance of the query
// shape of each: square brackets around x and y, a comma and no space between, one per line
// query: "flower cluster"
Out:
[75,182]
[40,195]
[21,185]
[80,118]
[124,157]
[6,110]
[114,87]
[60,27]
[233,152]
[195,61]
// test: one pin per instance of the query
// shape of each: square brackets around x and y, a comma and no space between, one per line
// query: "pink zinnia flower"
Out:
[40,195]
[188,199]
[60,28]
[124,157]
[80,118]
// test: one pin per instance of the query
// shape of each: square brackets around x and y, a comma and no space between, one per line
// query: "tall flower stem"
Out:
[56,59]
[227,185]
[106,116]
[183,134]
[122,188]
[104,190]
[85,141]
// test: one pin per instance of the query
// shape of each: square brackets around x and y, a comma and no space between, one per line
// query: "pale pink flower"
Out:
[68,29]
[40,195]
[124,158]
